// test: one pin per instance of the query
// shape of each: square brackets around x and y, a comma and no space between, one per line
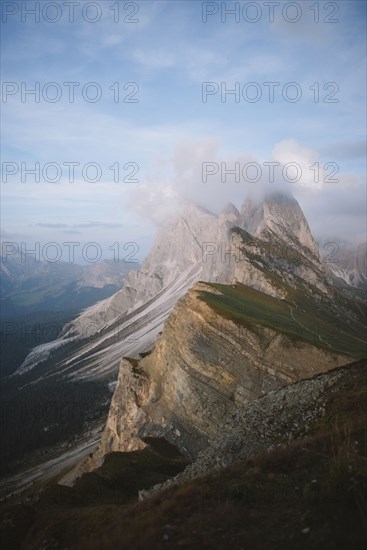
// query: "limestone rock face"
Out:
[280,215]
[202,369]
[177,247]
[133,391]
[230,215]
[278,417]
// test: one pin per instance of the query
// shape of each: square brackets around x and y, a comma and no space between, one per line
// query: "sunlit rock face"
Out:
[201,370]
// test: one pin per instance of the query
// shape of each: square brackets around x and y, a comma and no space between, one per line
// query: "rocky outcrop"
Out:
[277,418]
[201,240]
[279,215]
[203,368]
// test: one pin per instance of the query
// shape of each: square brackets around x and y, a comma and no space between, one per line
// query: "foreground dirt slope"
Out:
[307,493]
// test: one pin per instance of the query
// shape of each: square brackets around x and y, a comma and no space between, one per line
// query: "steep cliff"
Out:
[275,419]
[222,347]
[287,471]
[279,215]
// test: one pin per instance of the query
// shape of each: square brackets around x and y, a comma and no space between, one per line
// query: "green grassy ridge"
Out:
[274,250]
[275,254]
[276,258]
[249,307]
[345,316]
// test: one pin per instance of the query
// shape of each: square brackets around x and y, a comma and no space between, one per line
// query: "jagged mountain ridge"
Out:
[29,285]
[350,266]
[278,215]
[199,245]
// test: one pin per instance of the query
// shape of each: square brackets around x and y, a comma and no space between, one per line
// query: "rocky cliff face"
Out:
[279,215]
[275,419]
[201,370]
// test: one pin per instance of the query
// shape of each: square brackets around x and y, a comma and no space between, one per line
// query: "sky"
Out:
[137,105]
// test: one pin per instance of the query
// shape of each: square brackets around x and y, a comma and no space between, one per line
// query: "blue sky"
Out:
[170,132]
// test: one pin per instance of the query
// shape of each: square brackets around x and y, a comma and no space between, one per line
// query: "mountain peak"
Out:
[281,197]
[193,210]
[279,214]
[230,209]
[229,215]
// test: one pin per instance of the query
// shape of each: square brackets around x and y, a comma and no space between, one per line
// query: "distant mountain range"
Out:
[349,266]
[29,286]
[38,298]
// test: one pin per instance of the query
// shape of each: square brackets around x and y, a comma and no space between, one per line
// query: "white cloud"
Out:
[331,208]
[290,152]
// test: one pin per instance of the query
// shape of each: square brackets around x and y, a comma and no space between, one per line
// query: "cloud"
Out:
[336,208]
[100,224]
[81,225]
[171,132]
[300,159]
[337,212]
[52,225]
[156,201]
